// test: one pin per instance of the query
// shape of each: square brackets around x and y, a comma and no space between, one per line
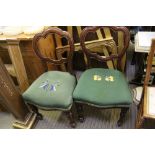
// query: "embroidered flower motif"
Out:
[57,83]
[45,85]
[50,87]
[97,78]
[109,78]
[53,86]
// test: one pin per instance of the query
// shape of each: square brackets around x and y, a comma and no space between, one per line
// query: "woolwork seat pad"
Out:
[103,88]
[52,89]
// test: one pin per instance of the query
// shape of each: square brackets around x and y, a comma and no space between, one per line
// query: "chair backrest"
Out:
[64,60]
[115,53]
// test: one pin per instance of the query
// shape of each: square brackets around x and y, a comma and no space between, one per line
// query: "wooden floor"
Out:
[95,118]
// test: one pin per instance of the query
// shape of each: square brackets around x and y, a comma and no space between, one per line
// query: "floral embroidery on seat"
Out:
[46,85]
[109,78]
[97,78]
[52,88]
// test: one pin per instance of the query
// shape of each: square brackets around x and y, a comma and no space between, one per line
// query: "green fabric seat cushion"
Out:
[103,87]
[52,89]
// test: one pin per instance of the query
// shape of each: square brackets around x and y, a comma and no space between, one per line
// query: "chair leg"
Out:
[35,109]
[139,123]
[140,119]
[71,118]
[79,109]
[122,116]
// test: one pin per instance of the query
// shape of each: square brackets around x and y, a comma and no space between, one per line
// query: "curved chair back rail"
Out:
[117,56]
[61,61]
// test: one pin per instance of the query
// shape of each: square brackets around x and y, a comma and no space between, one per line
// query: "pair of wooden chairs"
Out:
[98,87]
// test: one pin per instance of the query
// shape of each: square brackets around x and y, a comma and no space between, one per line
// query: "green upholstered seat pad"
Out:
[103,92]
[52,89]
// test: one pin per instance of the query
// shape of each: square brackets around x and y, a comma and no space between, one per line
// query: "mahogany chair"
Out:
[53,89]
[101,87]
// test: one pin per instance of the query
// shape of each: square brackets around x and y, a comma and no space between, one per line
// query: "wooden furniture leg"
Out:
[79,108]
[35,109]
[122,116]
[139,123]
[71,118]
[140,119]
[17,60]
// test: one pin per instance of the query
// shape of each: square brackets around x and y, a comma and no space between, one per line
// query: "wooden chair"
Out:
[53,89]
[146,106]
[99,87]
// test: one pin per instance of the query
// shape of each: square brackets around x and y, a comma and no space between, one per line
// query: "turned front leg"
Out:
[35,109]
[122,116]
[79,109]
[71,118]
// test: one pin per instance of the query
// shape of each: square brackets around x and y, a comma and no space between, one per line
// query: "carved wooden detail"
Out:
[113,56]
[61,33]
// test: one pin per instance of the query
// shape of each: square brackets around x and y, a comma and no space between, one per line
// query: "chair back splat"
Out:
[109,44]
[45,60]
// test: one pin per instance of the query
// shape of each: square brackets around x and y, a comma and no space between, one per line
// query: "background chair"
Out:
[53,89]
[104,88]
[146,112]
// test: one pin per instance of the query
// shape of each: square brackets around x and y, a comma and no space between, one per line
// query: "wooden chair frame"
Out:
[59,62]
[143,105]
[89,44]
[89,54]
